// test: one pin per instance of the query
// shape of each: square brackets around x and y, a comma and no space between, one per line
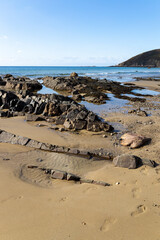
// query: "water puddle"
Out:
[46,90]
[145,92]
[112,105]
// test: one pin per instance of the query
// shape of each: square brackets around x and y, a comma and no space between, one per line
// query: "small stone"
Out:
[32,166]
[61,129]
[117,183]
[6,159]
[104,184]
[84,223]
[39,160]
[104,136]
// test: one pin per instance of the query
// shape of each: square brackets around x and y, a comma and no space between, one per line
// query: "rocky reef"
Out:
[86,88]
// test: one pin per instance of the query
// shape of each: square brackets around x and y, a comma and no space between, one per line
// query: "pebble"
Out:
[6,159]
[104,136]
[117,183]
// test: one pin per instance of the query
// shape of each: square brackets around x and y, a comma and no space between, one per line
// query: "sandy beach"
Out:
[32,205]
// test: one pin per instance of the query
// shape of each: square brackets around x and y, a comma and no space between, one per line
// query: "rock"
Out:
[31,117]
[32,166]
[77,97]
[72,114]
[34,144]
[21,84]
[68,124]
[125,161]
[148,162]
[6,137]
[4,113]
[59,175]
[61,129]
[72,177]
[73,74]
[81,115]
[86,181]
[101,183]
[133,140]
[104,136]
[138,112]
[20,140]
[79,125]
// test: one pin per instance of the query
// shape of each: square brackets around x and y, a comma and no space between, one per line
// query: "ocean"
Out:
[111,73]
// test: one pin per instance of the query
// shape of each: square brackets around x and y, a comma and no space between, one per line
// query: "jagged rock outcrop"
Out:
[63,110]
[147,59]
[9,82]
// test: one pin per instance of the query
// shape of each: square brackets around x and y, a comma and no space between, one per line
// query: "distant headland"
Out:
[147,59]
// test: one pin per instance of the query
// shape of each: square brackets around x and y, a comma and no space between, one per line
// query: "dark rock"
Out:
[19,106]
[72,177]
[32,166]
[4,113]
[79,125]
[82,115]
[125,161]
[148,162]
[72,114]
[101,183]
[6,159]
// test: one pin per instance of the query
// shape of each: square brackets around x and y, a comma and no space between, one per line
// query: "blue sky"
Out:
[76,32]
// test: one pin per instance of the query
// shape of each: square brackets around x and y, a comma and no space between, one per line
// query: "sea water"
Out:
[120,74]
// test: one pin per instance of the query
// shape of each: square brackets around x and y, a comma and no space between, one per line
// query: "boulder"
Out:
[133,140]
[73,74]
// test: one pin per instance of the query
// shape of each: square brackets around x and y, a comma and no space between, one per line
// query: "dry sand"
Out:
[32,206]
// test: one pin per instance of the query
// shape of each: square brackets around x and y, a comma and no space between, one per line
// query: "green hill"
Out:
[147,59]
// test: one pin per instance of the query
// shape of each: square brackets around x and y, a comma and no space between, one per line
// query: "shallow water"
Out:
[146,92]
[111,105]
[46,90]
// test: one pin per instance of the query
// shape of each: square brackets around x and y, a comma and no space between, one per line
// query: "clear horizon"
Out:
[76,33]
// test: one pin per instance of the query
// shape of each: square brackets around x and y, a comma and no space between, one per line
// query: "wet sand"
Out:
[33,206]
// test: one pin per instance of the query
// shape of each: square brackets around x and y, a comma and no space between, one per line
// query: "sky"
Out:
[76,32]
